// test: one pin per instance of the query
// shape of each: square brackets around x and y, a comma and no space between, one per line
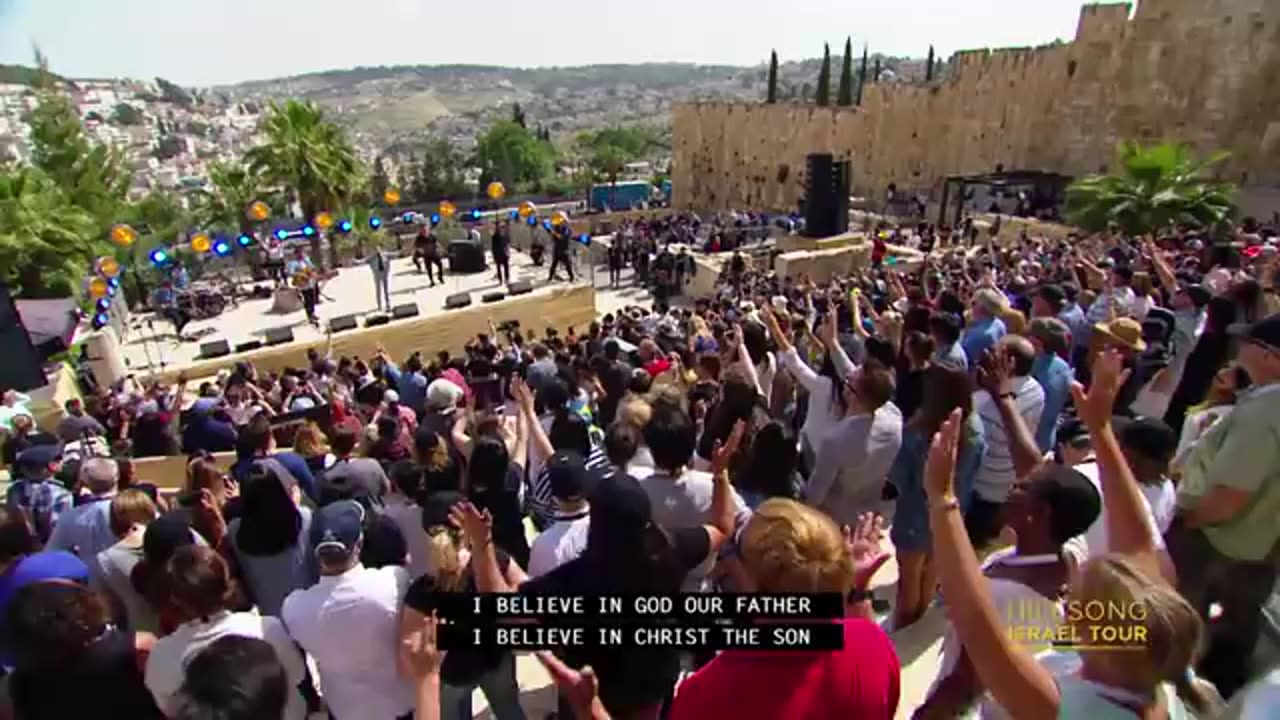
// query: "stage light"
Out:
[435,220]
[345,227]
[308,231]
[407,218]
[546,224]
[221,248]
[159,257]
[375,222]
[104,304]
[111,290]
[585,238]
[475,214]
[281,233]
[245,240]
[513,214]
[100,321]
[533,221]
[114,282]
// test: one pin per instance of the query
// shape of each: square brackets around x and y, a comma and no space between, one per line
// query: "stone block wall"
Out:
[1204,72]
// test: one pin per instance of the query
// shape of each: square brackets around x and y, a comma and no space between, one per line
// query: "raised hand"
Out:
[1096,405]
[995,370]
[724,452]
[522,394]
[580,687]
[827,330]
[419,650]
[940,468]
[476,524]
[865,541]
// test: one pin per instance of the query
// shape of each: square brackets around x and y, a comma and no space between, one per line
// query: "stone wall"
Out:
[1205,72]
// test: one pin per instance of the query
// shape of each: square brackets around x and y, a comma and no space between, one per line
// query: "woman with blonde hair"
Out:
[788,547]
[464,669]
[310,442]
[1135,661]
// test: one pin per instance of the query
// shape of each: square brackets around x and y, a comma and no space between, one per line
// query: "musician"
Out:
[560,252]
[165,301]
[379,261]
[427,248]
[617,259]
[500,244]
[181,278]
[275,261]
[307,280]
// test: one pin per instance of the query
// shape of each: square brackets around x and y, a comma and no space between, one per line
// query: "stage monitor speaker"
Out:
[377,320]
[493,296]
[520,287]
[215,349]
[343,322]
[248,345]
[458,300]
[466,257]
[278,336]
[406,310]
[20,367]
[819,221]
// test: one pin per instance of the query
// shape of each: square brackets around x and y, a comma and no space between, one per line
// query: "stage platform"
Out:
[153,348]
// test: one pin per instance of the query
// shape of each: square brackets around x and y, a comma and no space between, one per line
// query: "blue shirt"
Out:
[1076,322]
[84,530]
[411,386]
[953,354]
[1054,375]
[979,337]
[45,501]
[291,461]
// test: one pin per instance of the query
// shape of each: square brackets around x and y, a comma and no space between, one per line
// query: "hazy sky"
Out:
[199,42]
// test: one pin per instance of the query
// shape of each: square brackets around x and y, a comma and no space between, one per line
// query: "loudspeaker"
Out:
[376,320]
[827,205]
[459,300]
[407,310]
[248,345]
[215,349]
[278,336]
[345,322]
[466,257]
[520,287]
[493,296]
[19,363]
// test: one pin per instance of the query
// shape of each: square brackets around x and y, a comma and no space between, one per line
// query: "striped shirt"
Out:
[538,501]
[996,474]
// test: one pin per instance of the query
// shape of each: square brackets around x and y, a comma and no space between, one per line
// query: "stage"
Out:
[151,345]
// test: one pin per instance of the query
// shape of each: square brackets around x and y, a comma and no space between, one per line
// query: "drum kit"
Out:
[202,302]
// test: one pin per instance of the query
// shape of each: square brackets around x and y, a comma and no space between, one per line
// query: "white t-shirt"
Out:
[1161,505]
[558,544]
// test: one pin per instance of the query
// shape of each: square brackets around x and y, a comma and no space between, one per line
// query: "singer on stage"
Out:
[303,274]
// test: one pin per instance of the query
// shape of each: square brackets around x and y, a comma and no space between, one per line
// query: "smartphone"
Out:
[488,392]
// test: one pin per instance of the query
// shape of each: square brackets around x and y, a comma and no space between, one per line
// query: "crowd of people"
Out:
[1052,422]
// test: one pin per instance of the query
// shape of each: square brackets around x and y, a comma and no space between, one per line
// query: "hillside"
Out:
[21,75]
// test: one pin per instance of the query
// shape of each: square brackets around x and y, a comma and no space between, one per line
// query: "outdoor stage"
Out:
[550,305]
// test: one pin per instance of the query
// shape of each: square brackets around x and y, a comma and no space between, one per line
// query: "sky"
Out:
[209,42]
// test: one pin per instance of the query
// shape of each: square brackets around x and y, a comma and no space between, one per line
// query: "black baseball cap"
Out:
[1052,294]
[436,507]
[1265,332]
[567,475]
[336,530]
[1149,437]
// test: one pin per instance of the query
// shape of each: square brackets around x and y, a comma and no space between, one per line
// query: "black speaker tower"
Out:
[20,367]
[827,205]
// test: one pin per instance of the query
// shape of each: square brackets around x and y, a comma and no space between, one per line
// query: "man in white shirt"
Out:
[348,621]
[996,474]
[566,538]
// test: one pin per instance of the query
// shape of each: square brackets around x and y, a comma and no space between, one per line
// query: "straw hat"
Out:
[1125,332]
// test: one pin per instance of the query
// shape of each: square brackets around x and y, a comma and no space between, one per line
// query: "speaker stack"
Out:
[827,208]
[466,257]
[20,367]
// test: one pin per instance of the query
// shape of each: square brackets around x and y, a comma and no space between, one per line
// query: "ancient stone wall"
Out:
[1205,72]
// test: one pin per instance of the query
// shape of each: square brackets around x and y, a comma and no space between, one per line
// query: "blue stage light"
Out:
[221,248]
[533,221]
[475,214]
[159,257]
[345,227]
[281,233]
[407,218]
[375,222]
[245,240]
[435,219]
[585,238]
[100,321]
[513,214]
[114,282]
[111,291]
[308,231]
[546,224]
[104,304]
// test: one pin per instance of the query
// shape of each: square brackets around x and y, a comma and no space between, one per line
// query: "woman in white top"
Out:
[1133,679]
[826,391]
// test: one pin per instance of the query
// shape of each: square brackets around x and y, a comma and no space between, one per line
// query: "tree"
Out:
[862,75]
[440,173]
[1151,189]
[773,78]
[169,146]
[306,153]
[171,92]
[928,66]
[126,114]
[824,78]
[46,242]
[608,150]
[510,153]
[845,96]
[875,74]
[517,115]
[380,181]
[225,202]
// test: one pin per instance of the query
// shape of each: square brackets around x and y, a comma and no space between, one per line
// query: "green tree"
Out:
[773,78]
[608,150]
[126,114]
[1151,189]
[225,202]
[440,173]
[306,153]
[511,154]
[517,115]
[380,181]
[47,242]
[862,75]
[845,96]
[928,66]
[824,78]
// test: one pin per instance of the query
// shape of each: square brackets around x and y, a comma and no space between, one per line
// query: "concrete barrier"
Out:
[170,473]
[823,265]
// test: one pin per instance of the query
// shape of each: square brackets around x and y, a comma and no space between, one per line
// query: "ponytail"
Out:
[1198,695]
[446,561]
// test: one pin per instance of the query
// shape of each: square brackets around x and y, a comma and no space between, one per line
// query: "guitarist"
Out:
[305,278]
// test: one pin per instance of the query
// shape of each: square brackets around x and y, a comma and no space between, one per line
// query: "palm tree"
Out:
[47,243]
[1151,189]
[232,188]
[307,154]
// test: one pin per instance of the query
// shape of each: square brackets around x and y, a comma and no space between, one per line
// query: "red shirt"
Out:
[860,681]
[657,366]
